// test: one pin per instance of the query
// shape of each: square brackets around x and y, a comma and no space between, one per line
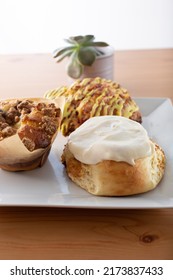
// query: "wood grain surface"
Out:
[143,73]
[38,233]
[56,233]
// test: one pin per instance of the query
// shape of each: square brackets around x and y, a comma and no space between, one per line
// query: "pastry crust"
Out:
[94,97]
[110,178]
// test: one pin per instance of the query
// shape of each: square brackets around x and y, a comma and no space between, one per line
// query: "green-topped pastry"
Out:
[94,97]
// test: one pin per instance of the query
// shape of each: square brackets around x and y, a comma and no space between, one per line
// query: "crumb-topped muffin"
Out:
[27,129]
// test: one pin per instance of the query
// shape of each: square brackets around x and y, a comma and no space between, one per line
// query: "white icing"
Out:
[110,138]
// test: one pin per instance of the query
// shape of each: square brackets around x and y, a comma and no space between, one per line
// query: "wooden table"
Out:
[56,233]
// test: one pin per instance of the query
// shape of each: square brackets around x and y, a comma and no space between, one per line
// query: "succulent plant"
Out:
[82,51]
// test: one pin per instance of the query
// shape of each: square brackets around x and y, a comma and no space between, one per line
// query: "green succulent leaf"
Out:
[60,51]
[86,56]
[99,52]
[74,68]
[77,39]
[65,54]
[70,41]
[82,39]
[99,44]
[81,52]
[86,40]
[89,38]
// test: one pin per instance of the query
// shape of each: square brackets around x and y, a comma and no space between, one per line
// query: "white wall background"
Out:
[37,26]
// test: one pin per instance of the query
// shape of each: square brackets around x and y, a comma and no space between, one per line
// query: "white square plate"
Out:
[49,186]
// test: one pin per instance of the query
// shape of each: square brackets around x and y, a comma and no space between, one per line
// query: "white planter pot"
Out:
[103,66]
